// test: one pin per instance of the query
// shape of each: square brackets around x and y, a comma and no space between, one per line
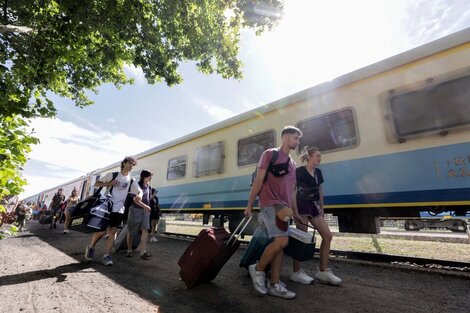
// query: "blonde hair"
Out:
[306,152]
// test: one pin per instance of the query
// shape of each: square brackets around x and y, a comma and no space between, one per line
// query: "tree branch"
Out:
[4,29]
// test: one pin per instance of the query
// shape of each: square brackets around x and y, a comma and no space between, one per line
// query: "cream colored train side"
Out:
[394,136]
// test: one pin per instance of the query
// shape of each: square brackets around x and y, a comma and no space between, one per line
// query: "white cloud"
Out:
[135,72]
[219,112]
[68,151]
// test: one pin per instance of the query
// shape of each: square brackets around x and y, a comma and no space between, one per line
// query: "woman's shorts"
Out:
[70,209]
[138,219]
[308,208]
[269,220]
[154,215]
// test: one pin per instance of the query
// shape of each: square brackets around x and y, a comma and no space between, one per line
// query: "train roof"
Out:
[450,41]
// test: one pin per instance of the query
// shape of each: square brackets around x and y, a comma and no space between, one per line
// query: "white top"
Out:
[119,192]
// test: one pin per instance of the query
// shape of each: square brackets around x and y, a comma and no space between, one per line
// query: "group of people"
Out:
[286,191]
[143,212]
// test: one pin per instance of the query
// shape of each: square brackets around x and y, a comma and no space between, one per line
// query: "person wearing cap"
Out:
[275,187]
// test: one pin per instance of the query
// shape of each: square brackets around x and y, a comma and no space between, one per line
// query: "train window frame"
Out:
[209,159]
[320,116]
[185,157]
[429,86]
[273,131]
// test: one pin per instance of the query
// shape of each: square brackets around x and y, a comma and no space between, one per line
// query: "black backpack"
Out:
[274,157]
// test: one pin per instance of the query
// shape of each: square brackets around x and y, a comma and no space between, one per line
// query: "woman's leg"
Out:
[296,264]
[322,227]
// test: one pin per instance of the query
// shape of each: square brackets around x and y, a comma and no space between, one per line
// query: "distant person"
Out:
[71,202]
[308,207]
[154,215]
[139,216]
[275,202]
[35,210]
[55,206]
[44,209]
[20,213]
[120,189]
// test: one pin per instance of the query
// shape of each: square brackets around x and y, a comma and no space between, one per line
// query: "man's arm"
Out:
[105,183]
[255,189]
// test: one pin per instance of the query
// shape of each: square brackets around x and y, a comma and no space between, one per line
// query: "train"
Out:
[394,135]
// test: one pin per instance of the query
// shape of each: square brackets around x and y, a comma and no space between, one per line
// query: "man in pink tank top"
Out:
[275,186]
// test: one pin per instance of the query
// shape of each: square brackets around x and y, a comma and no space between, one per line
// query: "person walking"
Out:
[72,201]
[139,217]
[154,215]
[55,206]
[308,207]
[274,185]
[118,189]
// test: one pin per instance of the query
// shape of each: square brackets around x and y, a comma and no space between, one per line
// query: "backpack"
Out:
[274,157]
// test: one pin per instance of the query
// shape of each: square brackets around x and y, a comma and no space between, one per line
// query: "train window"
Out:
[333,131]
[251,148]
[176,168]
[441,107]
[209,159]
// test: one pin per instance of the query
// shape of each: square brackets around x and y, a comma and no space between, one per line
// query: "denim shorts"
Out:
[269,220]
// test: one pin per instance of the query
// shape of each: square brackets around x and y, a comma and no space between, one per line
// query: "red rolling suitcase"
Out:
[208,253]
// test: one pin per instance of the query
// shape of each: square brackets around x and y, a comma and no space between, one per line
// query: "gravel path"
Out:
[40,271]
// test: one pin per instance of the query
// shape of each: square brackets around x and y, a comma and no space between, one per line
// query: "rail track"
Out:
[378,258]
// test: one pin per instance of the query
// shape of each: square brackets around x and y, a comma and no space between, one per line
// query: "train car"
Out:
[394,137]
[80,184]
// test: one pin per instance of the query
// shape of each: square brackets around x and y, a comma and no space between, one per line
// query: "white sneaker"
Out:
[278,290]
[258,279]
[153,239]
[328,277]
[301,278]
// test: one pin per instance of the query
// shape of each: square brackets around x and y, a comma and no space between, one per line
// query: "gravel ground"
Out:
[41,271]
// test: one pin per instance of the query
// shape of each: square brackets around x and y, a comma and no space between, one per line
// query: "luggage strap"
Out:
[238,231]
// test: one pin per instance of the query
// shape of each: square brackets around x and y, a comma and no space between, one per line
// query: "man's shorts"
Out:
[115,219]
[274,226]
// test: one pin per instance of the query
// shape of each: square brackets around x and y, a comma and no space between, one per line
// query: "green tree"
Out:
[70,47]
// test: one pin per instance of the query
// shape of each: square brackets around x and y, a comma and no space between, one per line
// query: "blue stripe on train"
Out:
[426,175]
[396,197]
[444,167]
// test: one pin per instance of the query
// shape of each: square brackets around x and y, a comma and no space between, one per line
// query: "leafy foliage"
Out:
[68,47]
[15,144]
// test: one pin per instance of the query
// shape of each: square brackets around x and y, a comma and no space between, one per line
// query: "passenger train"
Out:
[395,139]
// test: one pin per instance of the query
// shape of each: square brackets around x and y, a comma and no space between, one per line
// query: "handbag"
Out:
[301,244]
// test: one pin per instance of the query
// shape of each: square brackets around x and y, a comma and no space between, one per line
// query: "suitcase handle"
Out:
[243,224]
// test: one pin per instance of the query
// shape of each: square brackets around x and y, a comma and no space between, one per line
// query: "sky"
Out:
[315,41]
